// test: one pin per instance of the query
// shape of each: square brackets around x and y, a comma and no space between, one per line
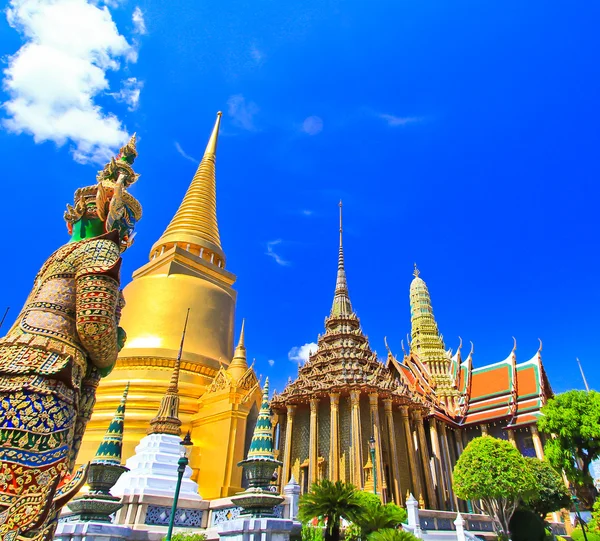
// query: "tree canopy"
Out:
[551,492]
[573,421]
[493,471]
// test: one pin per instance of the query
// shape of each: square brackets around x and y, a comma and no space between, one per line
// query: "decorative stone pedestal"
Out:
[257,529]
[91,531]
[153,470]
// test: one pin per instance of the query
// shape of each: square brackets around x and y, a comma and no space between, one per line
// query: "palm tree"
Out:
[332,502]
[390,534]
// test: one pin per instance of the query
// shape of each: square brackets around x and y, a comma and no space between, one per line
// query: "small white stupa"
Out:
[153,468]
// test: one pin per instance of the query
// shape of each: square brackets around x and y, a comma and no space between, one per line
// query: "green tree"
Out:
[330,502]
[551,492]
[493,471]
[376,516]
[390,534]
[526,525]
[573,421]
[594,524]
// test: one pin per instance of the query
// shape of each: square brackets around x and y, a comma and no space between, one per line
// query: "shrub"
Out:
[526,525]
[390,534]
[312,533]
[187,536]
[577,535]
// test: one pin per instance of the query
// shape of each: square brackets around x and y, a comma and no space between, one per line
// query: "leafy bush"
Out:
[525,525]
[594,524]
[187,536]
[577,535]
[312,533]
[390,534]
[551,492]
[352,532]
[376,516]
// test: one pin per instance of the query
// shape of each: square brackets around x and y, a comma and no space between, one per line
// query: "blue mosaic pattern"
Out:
[231,513]
[158,515]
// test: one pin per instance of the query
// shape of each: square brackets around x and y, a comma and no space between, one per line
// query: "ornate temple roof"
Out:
[261,446]
[343,360]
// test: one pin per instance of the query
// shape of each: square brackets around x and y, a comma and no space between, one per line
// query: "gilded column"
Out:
[537,442]
[439,470]
[512,439]
[484,429]
[334,443]
[374,402]
[313,448]
[412,457]
[356,439]
[449,465]
[425,459]
[389,418]
[287,448]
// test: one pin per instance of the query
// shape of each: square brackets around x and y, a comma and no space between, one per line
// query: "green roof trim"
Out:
[111,446]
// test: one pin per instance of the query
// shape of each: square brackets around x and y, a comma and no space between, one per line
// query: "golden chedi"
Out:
[186,270]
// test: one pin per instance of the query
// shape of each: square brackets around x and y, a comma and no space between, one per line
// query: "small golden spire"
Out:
[239,363]
[416,272]
[167,419]
[194,226]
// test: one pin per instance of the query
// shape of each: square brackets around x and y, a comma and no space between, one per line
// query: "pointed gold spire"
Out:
[194,226]
[167,418]
[239,364]
[341,300]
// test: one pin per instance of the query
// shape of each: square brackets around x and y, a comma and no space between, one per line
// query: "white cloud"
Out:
[271,362]
[307,212]
[129,93]
[300,354]
[242,112]
[312,125]
[185,154]
[139,24]
[393,120]
[271,253]
[53,78]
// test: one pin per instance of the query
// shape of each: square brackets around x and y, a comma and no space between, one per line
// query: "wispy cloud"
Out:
[271,362]
[139,23]
[53,79]
[271,253]
[242,112]
[393,120]
[257,55]
[307,212]
[185,154]
[300,354]
[129,93]
[312,125]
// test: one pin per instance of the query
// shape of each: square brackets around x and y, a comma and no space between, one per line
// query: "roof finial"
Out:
[514,345]
[472,349]
[587,387]
[109,451]
[540,348]
[239,364]
[416,272]
[341,300]
[167,419]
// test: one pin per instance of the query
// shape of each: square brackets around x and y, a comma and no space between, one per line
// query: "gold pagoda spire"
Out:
[239,364]
[341,300]
[167,419]
[194,226]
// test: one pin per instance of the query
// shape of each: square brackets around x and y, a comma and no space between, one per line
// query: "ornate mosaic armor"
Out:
[65,337]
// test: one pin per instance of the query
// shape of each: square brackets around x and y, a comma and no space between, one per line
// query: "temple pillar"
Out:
[287,448]
[357,479]
[417,488]
[437,454]
[449,465]
[425,459]
[313,448]
[334,442]
[376,428]
[537,442]
[393,450]
[511,438]
[484,429]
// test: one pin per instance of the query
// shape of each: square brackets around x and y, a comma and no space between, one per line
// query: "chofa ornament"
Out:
[66,337]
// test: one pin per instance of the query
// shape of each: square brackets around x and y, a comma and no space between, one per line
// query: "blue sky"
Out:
[463,136]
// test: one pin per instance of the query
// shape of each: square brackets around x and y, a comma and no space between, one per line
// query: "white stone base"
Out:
[257,529]
[91,531]
[153,470]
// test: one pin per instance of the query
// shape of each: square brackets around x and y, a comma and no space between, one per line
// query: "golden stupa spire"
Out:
[239,364]
[167,418]
[194,226]
[341,299]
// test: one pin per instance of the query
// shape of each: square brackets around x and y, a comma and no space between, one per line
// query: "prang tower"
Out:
[186,270]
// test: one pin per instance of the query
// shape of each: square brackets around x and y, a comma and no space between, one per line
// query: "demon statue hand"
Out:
[64,340]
